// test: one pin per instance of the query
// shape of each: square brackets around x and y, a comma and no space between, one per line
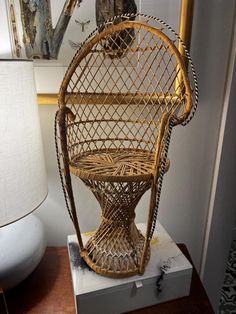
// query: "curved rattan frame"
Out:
[154,177]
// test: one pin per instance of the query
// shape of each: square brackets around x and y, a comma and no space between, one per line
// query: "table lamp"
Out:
[23,185]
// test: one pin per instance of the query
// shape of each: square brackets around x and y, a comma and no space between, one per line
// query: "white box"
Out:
[96,294]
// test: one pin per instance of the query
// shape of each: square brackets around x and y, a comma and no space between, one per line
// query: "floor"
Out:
[228,295]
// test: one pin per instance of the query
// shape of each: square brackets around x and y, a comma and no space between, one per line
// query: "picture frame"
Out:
[49,73]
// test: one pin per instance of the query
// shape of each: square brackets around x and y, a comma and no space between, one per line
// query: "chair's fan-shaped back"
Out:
[120,84]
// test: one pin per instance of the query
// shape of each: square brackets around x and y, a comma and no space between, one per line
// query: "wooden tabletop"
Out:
[48,290]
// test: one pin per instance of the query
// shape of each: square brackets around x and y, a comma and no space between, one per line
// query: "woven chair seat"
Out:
[114,165]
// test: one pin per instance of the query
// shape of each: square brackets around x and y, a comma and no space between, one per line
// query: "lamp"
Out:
[23,184]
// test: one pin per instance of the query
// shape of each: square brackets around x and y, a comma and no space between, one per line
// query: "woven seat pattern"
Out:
[114,165]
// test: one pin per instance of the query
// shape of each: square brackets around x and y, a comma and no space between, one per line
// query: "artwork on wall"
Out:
[54,30]
[51,31]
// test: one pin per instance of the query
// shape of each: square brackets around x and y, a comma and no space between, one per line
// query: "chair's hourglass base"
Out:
[115,251]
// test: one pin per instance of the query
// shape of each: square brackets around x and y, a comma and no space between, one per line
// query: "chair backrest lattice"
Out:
[120,84]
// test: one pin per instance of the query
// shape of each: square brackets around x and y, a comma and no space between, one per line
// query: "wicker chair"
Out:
[123,92]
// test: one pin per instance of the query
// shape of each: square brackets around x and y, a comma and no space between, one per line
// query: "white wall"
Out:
[194,148]
[222,212]
[187,185]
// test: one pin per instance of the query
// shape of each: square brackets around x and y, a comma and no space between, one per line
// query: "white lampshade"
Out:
[23,184]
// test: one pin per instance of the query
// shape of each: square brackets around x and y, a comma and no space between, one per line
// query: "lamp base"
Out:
[22,245]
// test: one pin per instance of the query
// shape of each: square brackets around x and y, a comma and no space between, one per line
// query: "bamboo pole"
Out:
[185,30]
[47,99]
[107,98]
[185,26]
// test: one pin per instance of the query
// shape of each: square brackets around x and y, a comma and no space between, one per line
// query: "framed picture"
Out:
[50,31]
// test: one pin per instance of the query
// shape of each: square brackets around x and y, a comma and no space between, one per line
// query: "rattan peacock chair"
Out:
[124,90]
